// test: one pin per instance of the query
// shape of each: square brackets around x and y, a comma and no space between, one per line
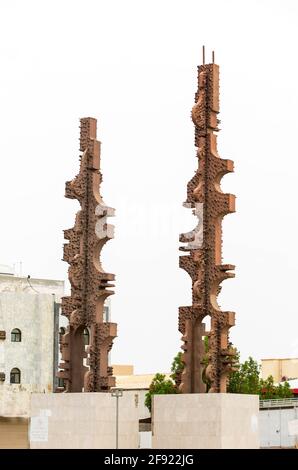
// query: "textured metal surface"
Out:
[90,284]
[204,245]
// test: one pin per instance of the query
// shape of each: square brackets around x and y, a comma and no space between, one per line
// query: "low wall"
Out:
[205,421]
[83,421]
[14,402]
[14,433]
[279,427]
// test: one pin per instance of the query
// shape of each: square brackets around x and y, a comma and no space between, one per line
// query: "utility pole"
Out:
[118,392]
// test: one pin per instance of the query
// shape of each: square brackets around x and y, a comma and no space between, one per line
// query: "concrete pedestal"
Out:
[205,421]
[83,421]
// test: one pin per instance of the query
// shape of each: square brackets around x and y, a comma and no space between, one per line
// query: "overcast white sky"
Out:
[132,65]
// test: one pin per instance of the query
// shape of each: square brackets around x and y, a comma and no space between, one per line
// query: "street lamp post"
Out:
[118,392]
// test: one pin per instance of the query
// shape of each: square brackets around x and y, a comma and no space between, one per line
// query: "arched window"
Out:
[15,376]
[16,335]
[86,337]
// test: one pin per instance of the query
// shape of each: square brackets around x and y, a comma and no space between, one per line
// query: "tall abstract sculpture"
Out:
[203,263]
[87,370]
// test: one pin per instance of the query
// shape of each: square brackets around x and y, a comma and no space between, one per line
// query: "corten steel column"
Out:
[203,262]
[89,282]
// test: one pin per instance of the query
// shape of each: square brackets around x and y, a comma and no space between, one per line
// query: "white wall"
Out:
[274,427]
[55,416]
[205,421]
[34,315]
[15,402]
[39,286]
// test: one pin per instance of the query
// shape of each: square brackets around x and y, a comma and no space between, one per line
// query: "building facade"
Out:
[29,327]
[280,369]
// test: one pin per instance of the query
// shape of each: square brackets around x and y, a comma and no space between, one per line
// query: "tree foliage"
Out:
[205,362]
[159,386]
[268,390]
[246,379]
[177,367]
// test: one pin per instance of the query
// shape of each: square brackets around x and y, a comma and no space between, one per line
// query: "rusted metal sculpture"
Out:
[203,263]
[89,283]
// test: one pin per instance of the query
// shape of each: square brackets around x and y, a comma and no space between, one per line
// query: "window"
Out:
[61,382]
[15,376]
[16,335]
[86,337]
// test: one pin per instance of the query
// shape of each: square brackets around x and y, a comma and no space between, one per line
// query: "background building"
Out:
[280,369]
[127,380]
[29,325]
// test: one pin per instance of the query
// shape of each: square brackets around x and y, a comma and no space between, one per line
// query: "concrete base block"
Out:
[83,421]
[205,421]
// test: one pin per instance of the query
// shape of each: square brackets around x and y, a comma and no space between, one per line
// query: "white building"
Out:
[29,325]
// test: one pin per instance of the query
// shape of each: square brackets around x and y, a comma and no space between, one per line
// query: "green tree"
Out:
[267,389]
[284,390]
[270,391]
[177,368]
[159,385]
[246,379]
[206,343]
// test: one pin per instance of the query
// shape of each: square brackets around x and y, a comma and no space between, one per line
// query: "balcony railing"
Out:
[279,403]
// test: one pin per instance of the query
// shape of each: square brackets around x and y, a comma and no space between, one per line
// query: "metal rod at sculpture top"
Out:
[86,368]
[206,370]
